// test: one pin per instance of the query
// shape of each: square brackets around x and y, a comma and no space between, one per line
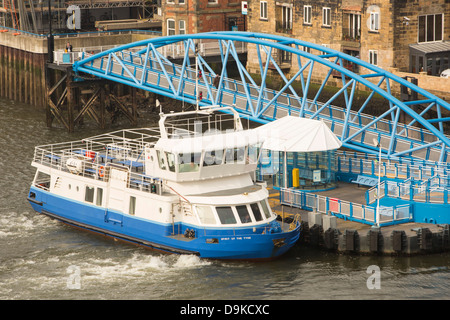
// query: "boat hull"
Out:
[229,243]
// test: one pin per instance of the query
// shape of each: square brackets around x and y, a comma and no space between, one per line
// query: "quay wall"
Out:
[332,234]
[23,59]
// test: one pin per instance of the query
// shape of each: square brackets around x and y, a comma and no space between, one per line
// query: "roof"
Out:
[291,134]
[296,134]
[431,47]
[208,142]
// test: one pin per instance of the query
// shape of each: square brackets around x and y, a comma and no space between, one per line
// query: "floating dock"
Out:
[343,236]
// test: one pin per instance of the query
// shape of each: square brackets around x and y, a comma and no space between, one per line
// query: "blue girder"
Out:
[144,65]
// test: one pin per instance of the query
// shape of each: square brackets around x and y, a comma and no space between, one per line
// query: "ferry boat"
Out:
[187,186]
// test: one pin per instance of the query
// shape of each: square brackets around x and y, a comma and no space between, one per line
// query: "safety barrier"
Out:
[432,190]
[344,209]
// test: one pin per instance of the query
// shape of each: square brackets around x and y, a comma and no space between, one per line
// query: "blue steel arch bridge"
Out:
[148,65]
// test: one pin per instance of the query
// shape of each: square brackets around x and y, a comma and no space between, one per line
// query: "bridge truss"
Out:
[411,129]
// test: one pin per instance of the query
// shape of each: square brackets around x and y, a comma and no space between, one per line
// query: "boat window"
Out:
[189,162]
[99,197]
[161,160]
[226,215]
[206,215]
[171,161]
[256,211]
[132,208]
[265,208]
[89,195]
[252,154]
[214,157]
[235,155]
[243,214]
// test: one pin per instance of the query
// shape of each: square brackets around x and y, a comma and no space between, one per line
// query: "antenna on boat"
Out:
[158,104]
[196,75]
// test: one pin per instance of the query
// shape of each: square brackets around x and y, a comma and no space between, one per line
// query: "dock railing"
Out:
[344,209]
[433,190]
[349,163]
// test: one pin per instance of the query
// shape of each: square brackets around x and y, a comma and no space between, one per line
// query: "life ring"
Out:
[101,171]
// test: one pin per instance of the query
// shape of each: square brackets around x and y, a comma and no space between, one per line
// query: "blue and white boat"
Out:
[183,188]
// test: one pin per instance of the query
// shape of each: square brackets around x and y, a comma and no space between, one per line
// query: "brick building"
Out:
[386,33]
[195,16]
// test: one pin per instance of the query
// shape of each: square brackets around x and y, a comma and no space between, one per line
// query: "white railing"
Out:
[433,190]
[345,209]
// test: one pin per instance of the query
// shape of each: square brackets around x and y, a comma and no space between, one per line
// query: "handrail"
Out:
[350,210]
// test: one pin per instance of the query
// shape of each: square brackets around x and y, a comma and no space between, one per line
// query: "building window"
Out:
[430,28]
[212,1]
[181,2]
[287,17]
[263,10]
[170,27]
[374,21]
[326,17]
[307,10]
[373,57]
[325,46]
[181,27]
[307,49]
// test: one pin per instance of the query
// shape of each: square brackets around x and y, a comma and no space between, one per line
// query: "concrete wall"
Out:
[23,61]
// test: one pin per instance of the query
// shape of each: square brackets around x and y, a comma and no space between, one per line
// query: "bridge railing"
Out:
[247,99]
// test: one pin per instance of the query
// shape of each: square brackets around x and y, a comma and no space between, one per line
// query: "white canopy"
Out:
[296,134]
[290,134]
[227,140]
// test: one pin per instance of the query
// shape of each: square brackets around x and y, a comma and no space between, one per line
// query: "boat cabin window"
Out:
[226,215]
[243,214]
[212,158]
[89,195]
[132,207]
[189,162]
[252,154]
[256,211]
[265,208]
[206,215]
[171,161]
[235,155]
[99,197]
[161,160]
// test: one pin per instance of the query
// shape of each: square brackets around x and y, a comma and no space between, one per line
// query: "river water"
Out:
[41,259]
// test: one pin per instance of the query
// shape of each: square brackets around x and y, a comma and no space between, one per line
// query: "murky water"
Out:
[44,259]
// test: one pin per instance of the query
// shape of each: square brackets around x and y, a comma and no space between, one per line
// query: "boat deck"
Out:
[123,149]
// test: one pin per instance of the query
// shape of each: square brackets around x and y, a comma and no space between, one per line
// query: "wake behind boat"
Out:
[187,187]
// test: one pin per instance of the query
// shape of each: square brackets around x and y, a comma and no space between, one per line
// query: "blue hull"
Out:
[230,243]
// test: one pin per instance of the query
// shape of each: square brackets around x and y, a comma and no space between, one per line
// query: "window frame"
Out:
[425,30]
[326,17]
[263,10]
[373,57]
[374,22]
[181,30]
[307,14]
[169,29]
